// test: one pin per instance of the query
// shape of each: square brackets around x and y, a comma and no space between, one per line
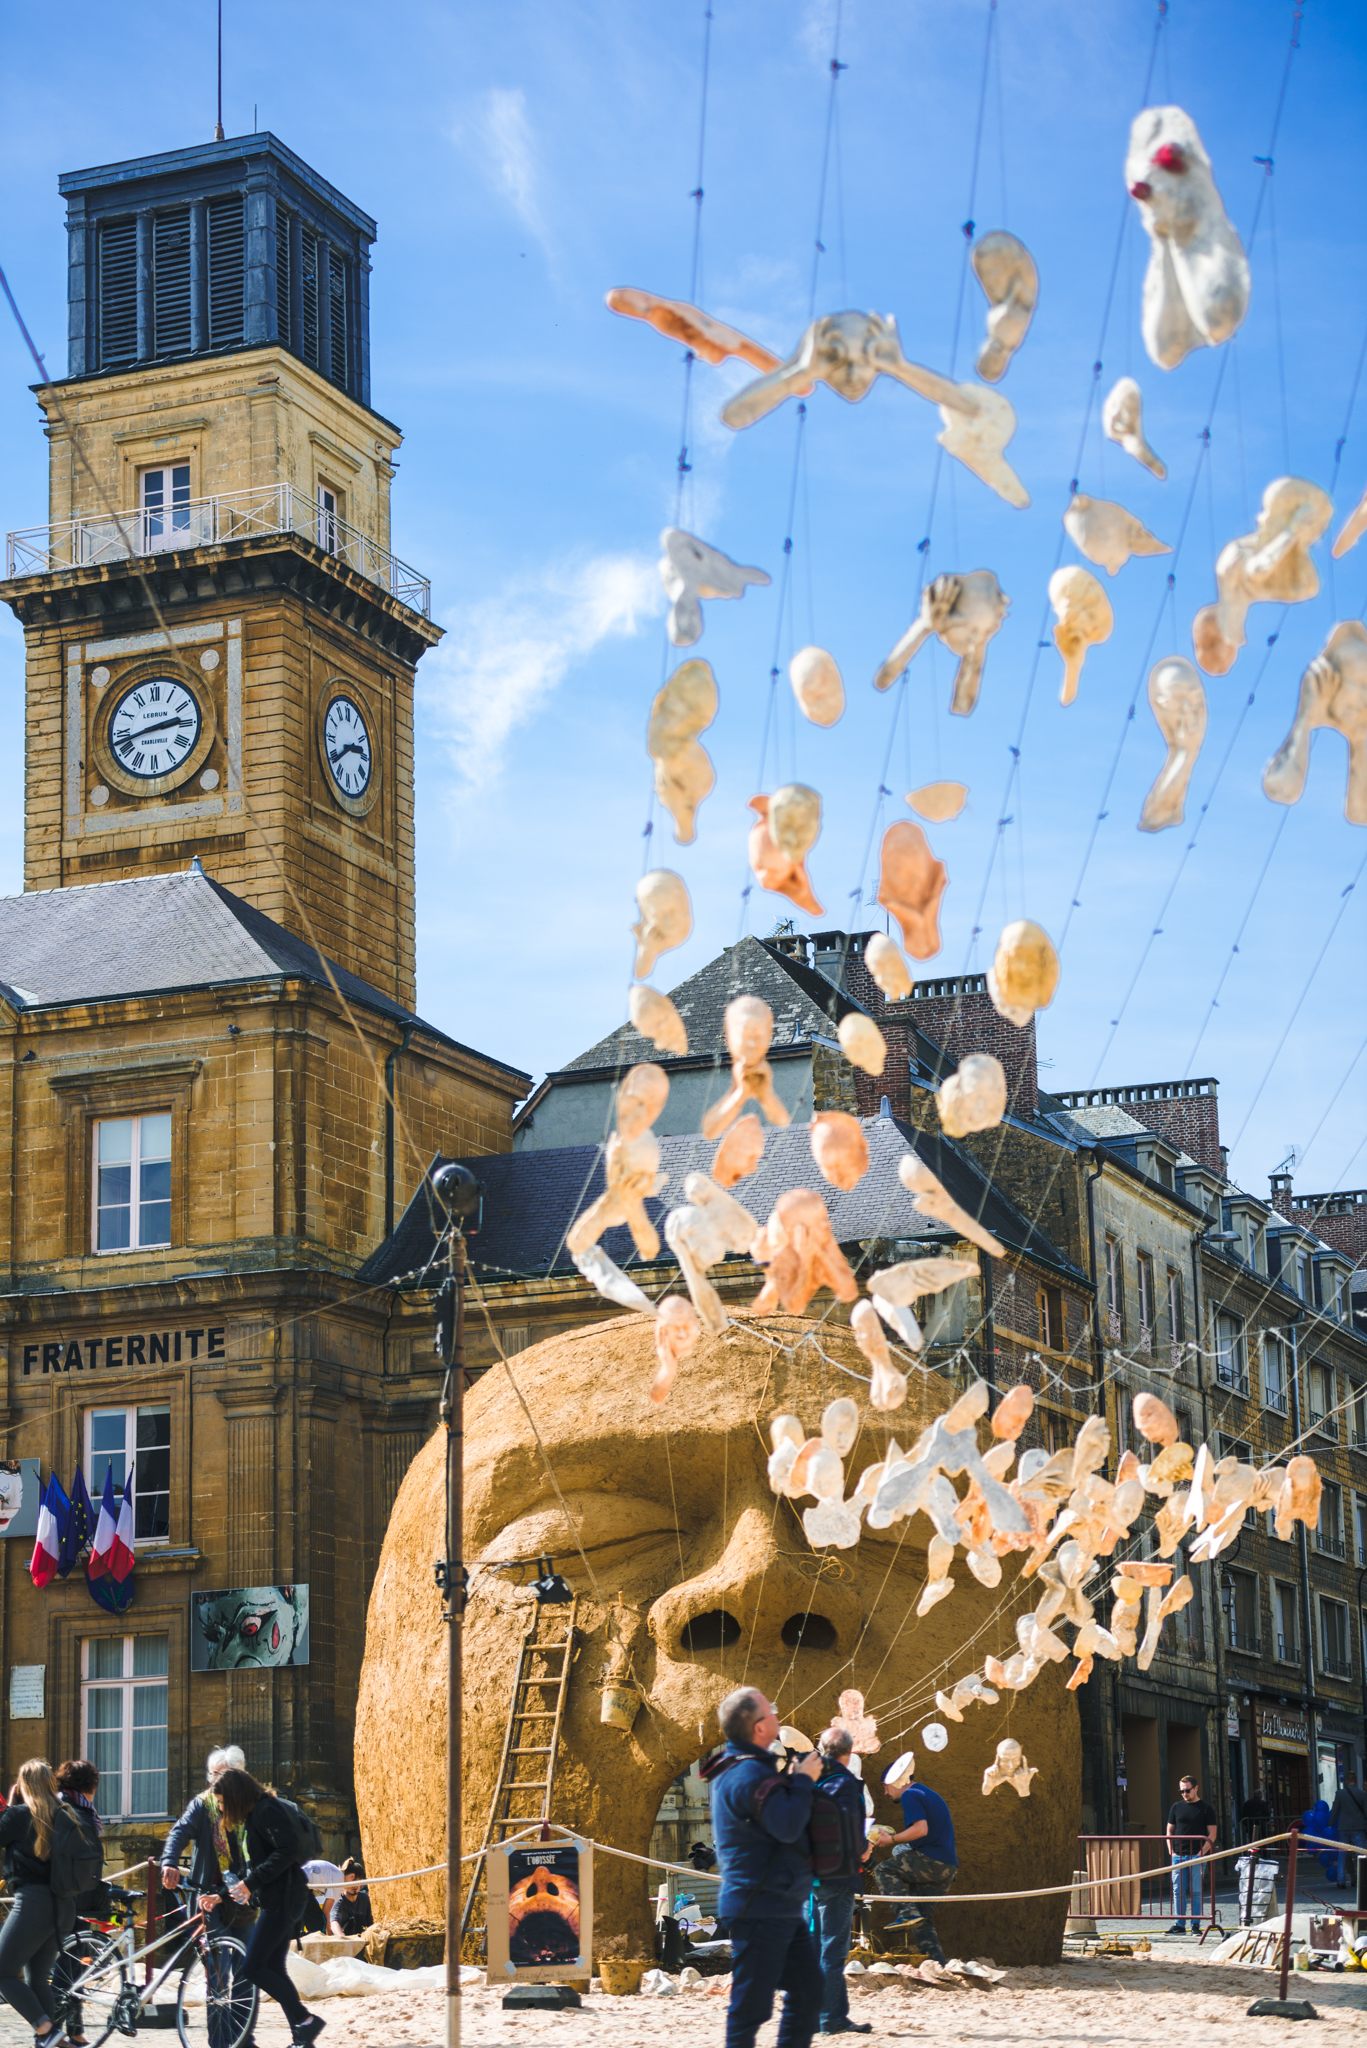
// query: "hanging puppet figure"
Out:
[1107,534]
[1271,565]
[1333,698]
[1197,283]
[684,775]
[911,885]
[787,827]
[1083,619]
[963,611]
[749,1028]
[817,685]
[1006,271]
[1177,698]
[1024,972]
[666,916]
[691,570]
[711,339]
[1122,421]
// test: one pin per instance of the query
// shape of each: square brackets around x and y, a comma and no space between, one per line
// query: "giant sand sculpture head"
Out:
[693,1578]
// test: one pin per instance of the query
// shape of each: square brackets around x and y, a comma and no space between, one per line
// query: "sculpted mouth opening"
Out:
[808,1632]
[715,1630]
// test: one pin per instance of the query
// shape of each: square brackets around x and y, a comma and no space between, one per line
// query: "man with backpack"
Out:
[839,1852]
[760,1819]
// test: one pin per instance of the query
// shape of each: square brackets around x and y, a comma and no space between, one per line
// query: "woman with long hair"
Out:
[274,1878]
[77,1783]
[38,1919]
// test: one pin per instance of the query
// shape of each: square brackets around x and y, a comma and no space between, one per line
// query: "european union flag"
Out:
[80,1528]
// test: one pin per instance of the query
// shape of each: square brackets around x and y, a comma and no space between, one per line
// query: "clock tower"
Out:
[221,643]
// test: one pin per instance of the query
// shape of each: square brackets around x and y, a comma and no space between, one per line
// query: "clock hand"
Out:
[160,725]
[351,747]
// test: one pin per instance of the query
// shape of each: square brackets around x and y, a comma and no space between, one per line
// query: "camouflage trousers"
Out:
[908,1873]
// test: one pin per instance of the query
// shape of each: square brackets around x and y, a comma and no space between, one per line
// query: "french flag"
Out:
[106,1532]
[122,1556]
[47,1548]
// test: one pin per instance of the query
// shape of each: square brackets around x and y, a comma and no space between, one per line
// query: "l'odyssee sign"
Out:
[130,1348]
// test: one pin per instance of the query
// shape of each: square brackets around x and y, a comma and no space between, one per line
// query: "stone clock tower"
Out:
[215,1092]
[221,644]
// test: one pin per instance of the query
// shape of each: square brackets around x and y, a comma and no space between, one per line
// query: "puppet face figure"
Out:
[718,1586]
[253,1626]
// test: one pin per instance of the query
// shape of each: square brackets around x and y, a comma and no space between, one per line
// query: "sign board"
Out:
[26,1692]
[128,1349]
[21,1486]
[1283,1724]
[1231,1717]
[249,1627]
[540,1910]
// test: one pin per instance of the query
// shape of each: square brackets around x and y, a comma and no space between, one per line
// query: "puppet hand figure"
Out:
[1122,421]
[1333,698]
[749,1028]
[1177,697]
[930,1197]
[691,570]
[1197,284]
[798,1248]
[963,611]
[888,1389]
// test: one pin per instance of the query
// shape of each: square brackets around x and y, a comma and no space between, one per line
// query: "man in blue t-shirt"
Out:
[924,1858]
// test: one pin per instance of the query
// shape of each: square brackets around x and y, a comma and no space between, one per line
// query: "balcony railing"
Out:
[1232,1376]
[1337,1663]
[1324,1425]
[1288,1650]
[1331,1542]
[1275,1399]
[205,522]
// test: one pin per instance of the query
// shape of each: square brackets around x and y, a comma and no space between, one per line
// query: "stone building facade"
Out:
[212,1076]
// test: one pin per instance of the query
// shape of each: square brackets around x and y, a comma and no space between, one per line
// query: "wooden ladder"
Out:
[531,1739]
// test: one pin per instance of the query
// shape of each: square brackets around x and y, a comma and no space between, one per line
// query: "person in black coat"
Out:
[275,1880]
[38,1919]
[351,1914]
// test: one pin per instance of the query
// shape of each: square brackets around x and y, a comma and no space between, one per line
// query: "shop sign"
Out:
[130,1349]
[1280,1724]
[26,1692]
[1231,1717]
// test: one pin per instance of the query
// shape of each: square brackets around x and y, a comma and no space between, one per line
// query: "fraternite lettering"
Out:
[127,1350]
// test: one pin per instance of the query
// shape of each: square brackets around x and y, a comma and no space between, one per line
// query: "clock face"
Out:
[154,726]
[346,747]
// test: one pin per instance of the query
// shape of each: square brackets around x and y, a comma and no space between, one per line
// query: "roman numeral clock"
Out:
[154,734]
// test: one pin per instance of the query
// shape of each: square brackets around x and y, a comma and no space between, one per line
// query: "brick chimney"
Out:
[1340,1219]
[1186,1113]
[957,1014]
[1283,1201]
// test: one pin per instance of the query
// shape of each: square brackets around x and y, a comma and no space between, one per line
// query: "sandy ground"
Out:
[1132,2004]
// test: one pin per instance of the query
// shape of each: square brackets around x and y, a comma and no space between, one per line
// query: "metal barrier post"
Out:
[1292,1851]
[152,1913]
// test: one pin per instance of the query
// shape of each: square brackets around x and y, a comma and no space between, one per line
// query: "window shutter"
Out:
[282,277]
[309,339]
[337,293]
[226,272]
[171,282]
[118,288]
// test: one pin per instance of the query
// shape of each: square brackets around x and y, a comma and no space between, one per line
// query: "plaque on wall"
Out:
[26,1692]
[249,1628]
[21,1486]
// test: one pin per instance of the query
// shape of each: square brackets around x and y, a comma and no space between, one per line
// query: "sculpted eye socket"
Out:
[598,1521]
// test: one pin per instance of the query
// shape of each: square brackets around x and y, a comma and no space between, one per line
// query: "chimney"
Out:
[956,1013]
[1283,1201]
[1339,1218]
[1186,1113]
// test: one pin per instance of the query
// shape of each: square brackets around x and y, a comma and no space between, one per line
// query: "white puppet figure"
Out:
[1006,271]
[1082,618]
[1024,972]
[848,352]
[973,1097]
[710,1224]
[817,685]
[885,963]
[1333,698]
[930,1197]
[1122,421]
[690,570]
[862,1043]
[666,916]
[656,1018]
[1107,534]
[963,611]
[1009,1767]
[748,1025]
[684,775]
[1177,698]
[1271,565]
[1197,284]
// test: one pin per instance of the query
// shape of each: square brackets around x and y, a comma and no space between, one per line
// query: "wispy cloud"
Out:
[508,653]
[497,136]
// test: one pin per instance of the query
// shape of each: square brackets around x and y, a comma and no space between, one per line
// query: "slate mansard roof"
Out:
[531,1198]
[164,935]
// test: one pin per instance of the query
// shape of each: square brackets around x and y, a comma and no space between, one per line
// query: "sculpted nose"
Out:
[765,1586]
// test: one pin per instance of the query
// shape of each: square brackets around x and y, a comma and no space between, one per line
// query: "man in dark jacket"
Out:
[759,1824]
[834,1897]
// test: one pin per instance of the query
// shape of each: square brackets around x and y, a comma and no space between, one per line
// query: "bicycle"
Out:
[213,2009]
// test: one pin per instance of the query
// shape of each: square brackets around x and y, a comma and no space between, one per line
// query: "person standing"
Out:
[1348,1817]
[77,1781]
[833,1898]
[1255,1815]
[274,1877]
[760,1816]
[924,1859]
[38,1920]
[201,1829]
[1191,1830]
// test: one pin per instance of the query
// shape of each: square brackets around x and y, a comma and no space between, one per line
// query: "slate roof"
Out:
[531,1198]
[160,935]
[805,1005]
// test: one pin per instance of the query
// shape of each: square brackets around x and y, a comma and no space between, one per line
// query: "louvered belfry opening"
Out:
[217,247]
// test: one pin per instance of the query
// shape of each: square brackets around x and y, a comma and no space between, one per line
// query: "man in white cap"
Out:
[924,1858]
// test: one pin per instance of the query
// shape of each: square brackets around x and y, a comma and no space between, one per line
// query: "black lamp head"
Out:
[456,1188]
[550,1589]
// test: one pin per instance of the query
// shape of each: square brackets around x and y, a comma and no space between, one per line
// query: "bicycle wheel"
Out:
[213,2008]
[90,1978]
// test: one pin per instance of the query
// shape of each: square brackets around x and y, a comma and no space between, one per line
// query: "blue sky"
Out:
[523,157]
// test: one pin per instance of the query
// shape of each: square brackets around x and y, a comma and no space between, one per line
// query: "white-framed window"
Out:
[131,1182]
[136,1439]
[1115,1289]
[1143,1268]
[1231,1367]
[1049,1311]
[1335,1647]
[329,512]
[124,1722]
[1284,1622]
[164,502]
[1329,1528]
[1274,1373]
[1177,1311]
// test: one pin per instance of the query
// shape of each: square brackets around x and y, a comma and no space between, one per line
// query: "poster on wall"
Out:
[540,1911]
[21,1488]
[249,1628]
